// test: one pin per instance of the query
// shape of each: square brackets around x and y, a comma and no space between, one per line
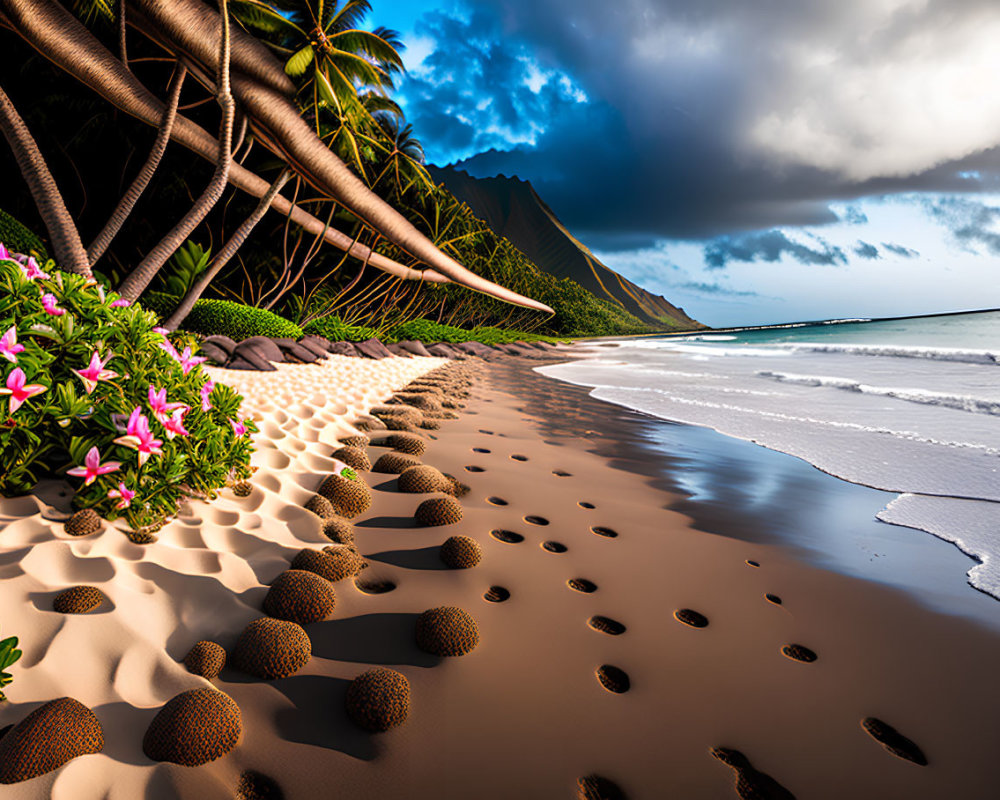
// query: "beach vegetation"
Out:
[9,654]
[94,392]
[238,321]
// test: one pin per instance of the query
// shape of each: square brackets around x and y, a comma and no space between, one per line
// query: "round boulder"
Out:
[255,786]
[301,596]
[461,552]
[47,738]
[206,659]
[439,511]
[334,563]
[339,530]
[83,523]
[78,600]
[350,497]
[422,479]
[408,443]
[447,631]
[193,728]
[394,463]
[379,699]
[354,457]
[320,506]
[272,648]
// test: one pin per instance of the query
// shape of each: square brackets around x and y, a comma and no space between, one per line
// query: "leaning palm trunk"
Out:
[184,26]
[62,230]
[127,203]
[60,37]
[227,252]
[140,277]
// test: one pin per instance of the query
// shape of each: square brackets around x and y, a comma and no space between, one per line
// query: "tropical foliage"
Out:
[91,390]
[9,654]
[226,318]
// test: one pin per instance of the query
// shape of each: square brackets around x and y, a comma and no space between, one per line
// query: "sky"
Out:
[754,161]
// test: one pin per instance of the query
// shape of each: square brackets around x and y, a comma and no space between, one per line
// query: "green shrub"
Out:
[334,329]
[426,330]
[51,330]
[225,318]
[18,239]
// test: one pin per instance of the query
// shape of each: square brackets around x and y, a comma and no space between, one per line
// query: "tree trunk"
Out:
[63,39]
[122,50]
[140,277]
[227,252]
[63,234]
[127,203]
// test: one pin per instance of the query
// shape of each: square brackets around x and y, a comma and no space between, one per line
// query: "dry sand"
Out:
[524,714]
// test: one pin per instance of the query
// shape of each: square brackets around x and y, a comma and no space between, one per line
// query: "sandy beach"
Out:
[585,561]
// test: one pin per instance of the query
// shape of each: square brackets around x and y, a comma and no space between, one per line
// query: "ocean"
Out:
[907,406]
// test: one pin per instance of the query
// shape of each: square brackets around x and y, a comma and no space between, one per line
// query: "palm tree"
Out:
[404,157]
[62,230]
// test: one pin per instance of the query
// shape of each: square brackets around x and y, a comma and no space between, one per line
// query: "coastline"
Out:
[523,714]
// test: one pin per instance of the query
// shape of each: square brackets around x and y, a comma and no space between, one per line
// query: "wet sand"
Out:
[524,714]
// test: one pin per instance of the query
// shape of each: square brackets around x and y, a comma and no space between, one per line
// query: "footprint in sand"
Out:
[613,679]
[751,782]
[373,585]
[893,741]
[586,505]
[608,533]
[480,450]
[612,627]
[752,563]
[519,457]
[691,618]
[581,585]
[561,473]
[797,652]
[496,501]
[507,537]
[773,598]
[488,433]
[473,468]
[554,547]
[496,594]
[533,519]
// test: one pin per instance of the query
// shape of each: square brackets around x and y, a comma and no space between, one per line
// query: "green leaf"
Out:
[296,66]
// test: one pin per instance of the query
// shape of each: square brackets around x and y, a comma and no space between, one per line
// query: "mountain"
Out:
[513,209]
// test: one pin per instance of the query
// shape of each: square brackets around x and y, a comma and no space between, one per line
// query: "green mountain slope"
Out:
[513,209]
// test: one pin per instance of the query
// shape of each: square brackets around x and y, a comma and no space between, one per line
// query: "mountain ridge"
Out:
[513,209]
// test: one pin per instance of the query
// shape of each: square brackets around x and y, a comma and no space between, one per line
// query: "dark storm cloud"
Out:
[970,221]
[900,250]
[769,246]
[866,251]
[689,133]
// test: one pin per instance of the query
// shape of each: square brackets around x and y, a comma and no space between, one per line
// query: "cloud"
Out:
[866,251]
[900,250]
[656,120]
[714,289]
[970,221]
[769,246]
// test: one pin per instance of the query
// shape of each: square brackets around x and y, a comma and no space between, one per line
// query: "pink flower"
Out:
[49,304]
[120,303]
[175,425]
[20,391]
[5,254]
[126,495]
[95,372]
[161,331]
[188,362]
[9,348]
[159,406]
[170,350]
[238,427]
[206,390]
[139,437]
[32,271]
[92,468]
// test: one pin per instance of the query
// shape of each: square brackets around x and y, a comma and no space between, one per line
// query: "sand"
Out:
[524,714]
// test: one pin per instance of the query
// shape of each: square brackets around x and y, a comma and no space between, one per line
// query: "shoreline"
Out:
[523,714]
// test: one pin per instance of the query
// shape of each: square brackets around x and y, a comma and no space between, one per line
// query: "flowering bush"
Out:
[91,390]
